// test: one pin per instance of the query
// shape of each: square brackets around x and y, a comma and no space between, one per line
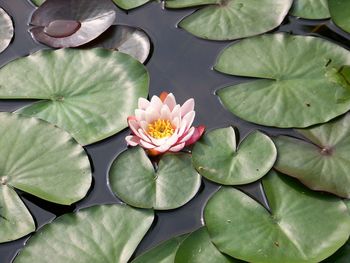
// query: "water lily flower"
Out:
[160,125]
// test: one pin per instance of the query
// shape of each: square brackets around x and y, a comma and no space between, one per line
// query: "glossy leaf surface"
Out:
[310,9]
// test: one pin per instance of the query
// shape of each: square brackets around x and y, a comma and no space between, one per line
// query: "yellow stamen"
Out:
[160,129]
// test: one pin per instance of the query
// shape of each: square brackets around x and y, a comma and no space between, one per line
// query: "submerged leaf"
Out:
[89,93]
[107,233]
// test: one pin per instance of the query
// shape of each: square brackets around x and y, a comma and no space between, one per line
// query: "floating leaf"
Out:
[197,248]
[125,4]
[108,233]
[217,158]
[71,23]
[310,9]
[295,91]
[6,30]
[126,39]
[163,253]
[89,93]
[302,225]
[232,19]
[39,159]
[340,13]
[323,163]
[173,184]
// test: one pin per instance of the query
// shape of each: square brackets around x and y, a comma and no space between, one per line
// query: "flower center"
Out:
[160,129]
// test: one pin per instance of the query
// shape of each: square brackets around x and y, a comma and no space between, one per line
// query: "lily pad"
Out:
[163,253]
[129,40]
[323,162]
[71,23]
[108,233]
[232,19]
[295,89]
[198,248]
[39,159]
[90,104]
[6,30]
[310,9]
[172,184]
[340,13]
[301,226]
[125,4]
[217,158]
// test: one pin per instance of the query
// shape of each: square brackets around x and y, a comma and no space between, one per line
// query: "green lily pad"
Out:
[340,13]
[108,233]
[232,19]
[310,9]
[295,89]
[171,185]
[323,163]
[217,158]
[301,226]
[125,4]
[90,104]
[198,248]
[163,253]
[39,159]
[6,30]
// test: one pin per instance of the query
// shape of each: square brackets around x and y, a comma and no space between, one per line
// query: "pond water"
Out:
[179,63]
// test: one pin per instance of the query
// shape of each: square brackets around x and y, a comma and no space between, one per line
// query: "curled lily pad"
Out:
[301,226]
[129,40]
[90,104]
[217,158]
[171,185]
[310,9]
[295,89]
[323,163]
[71,23]
[39,159]
[340,13]
[163,253]
[198,248]
[6,30]
[108,233]
[232,19]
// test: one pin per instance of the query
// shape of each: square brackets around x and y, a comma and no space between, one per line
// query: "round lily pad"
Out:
[172,184]
[39,159]
[129,40]
[232,19]
[297,86]
[163,253]
[340,13]
[198,248]
[89,93]
[6,30]
[125,4]
[71,23]
[310,9]
[323,162]
[108,233]
[301,225]
[217,158]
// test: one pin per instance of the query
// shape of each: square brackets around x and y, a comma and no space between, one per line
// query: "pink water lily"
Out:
[161,125]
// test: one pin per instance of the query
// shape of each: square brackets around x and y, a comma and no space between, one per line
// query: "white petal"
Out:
[175,122]
[177,148]
[146,145]
[151,115]
[162,148]
[170,101]
[156,103]
[176,112]
[140,114]
[132,140]
[143,103]
[165,113]
[188,135]
[187,107]
[144,126]
[144,136]
[183,127]
[189,117]
[134,126]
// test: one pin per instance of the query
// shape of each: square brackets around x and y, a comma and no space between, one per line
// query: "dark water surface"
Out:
[180,63]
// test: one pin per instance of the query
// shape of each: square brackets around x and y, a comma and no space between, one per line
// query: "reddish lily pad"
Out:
[71,23]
